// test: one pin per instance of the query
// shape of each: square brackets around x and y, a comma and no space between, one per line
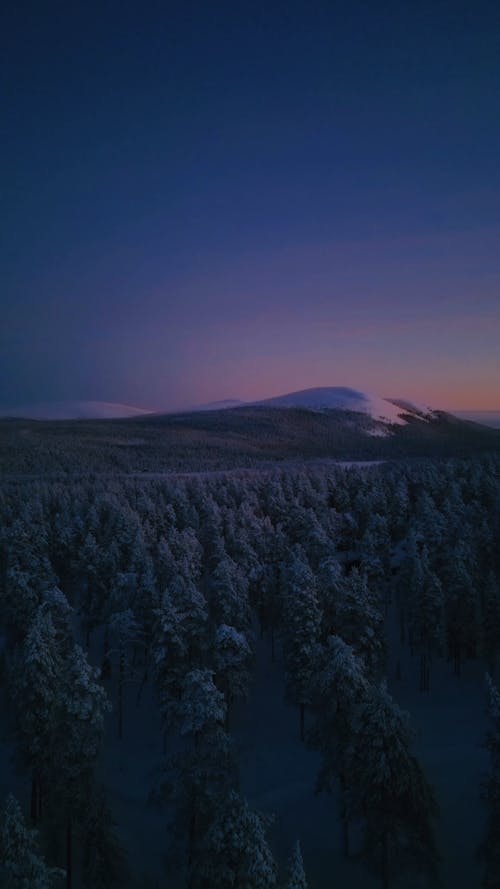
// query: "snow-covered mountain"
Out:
[73,410]
[383,410]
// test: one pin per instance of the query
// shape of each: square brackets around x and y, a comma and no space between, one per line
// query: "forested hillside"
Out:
[224,439]
[146,625]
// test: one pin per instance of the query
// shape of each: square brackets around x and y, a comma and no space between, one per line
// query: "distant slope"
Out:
[73,410]
[485,418]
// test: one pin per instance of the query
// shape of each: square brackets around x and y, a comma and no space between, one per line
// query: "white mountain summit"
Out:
[341,398]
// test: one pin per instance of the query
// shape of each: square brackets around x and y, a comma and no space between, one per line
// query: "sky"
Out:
[219,200]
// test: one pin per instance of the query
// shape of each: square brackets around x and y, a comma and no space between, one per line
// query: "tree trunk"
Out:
[302,709]
[69,853]
[39,800]
[423,671]
[120,694]
[386,861]
[142,684]
[34,800]
[105,647]
[192,835]
[273,658]
[402,634]
[344,817]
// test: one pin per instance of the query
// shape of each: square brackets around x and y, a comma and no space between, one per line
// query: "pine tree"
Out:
[21,865]
[77,731]
[490,848]
[35,685]
[200,707]
[103,857]
[235,851]
[390,791]
[124,631]
[491,621]
[179,639]
[462,607]
[360,621]
[199,777]
[228,596]
[338,688]
[301,631]
[426,615]
[232,662]
[330,581]
[296,876]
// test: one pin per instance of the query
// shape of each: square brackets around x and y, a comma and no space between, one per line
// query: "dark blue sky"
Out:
[206,200]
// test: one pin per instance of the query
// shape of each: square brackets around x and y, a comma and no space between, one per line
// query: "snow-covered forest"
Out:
[270,678]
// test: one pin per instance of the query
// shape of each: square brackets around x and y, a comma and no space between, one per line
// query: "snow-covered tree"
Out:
[103,857]
[232,662]
[200,707]
[490,848]
[426,613]
[35,685]
[301,630]
[491,621]
[124,631]
[390,791]
[338,688]
[360,621]
[179,639]
[461,607]
[197,780]
[296,875]
[228,595]
[76,736]
[330,582]
[235,852]
[21,865]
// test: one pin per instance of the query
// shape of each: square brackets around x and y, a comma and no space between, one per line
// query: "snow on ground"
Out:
[127,770]
[278,775]
[73,410]
[278,772]
[451,726]
[412,407]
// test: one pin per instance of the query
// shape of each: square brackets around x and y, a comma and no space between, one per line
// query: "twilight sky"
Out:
[204,200]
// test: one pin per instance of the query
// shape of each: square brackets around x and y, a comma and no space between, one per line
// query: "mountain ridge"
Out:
[73,410]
